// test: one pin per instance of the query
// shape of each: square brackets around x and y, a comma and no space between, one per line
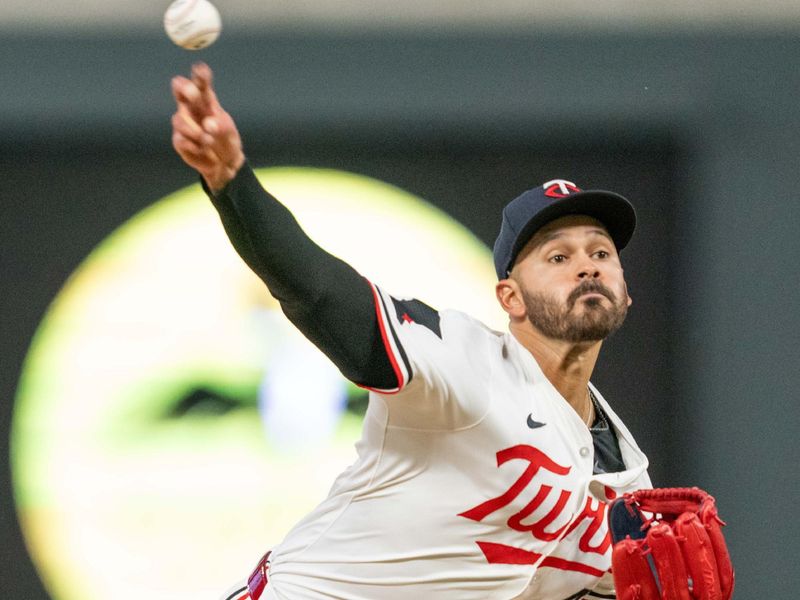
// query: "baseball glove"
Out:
[668,545]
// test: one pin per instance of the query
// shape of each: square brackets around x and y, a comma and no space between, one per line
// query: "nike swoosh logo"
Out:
[534,424]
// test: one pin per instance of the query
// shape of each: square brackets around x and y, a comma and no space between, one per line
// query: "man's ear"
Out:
[509,295]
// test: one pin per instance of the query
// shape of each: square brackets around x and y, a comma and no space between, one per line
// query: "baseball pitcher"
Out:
[488,460]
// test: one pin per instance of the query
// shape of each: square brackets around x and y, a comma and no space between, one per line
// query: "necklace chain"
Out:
[598,413]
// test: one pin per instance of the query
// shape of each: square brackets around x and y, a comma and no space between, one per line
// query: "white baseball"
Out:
[192,24]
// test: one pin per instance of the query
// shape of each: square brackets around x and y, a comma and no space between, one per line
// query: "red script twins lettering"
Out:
[502,553]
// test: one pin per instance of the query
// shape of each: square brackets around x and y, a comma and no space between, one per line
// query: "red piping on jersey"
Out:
[570,565]
[386,344]
[509,555]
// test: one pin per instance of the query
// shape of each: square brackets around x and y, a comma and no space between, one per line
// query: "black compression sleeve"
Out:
[328,300]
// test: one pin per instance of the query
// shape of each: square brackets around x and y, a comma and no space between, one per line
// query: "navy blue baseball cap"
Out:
[529,212]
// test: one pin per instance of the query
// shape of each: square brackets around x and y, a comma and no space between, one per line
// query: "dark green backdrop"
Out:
[698,129]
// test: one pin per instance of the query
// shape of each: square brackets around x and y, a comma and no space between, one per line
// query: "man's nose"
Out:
[588,270]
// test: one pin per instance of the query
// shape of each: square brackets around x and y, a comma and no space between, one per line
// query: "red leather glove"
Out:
[668,545]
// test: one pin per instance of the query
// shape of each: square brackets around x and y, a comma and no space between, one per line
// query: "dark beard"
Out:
[556,321]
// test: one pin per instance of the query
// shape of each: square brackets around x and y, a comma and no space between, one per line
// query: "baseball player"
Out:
[487,459]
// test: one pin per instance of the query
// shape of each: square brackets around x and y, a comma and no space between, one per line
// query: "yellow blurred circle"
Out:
[140,465]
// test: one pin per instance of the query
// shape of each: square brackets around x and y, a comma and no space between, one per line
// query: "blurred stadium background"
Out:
[688,108]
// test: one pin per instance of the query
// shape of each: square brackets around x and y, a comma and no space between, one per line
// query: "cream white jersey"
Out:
[474,480]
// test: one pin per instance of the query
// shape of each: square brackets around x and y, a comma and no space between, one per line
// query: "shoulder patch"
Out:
[414,311]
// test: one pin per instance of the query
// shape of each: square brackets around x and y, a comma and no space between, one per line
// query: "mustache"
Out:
[590,286]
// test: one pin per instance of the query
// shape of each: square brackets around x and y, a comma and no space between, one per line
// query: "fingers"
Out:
[195,102]
[225,140]
[196,97]
[216,135]
[198,157]
[189,139]
[184,123]
[202,77]
[211,125]
[185,91]
[186,146]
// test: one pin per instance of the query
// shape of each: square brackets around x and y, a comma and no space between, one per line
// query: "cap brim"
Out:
[612,210]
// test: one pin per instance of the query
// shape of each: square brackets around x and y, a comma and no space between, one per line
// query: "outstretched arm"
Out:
[331,303]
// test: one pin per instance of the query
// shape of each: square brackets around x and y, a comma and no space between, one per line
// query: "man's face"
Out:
[571,281]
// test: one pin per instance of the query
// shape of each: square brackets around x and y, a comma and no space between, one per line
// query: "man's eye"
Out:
[602,254]
[558,258]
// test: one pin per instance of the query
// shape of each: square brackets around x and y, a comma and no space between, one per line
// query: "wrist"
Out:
[219,178]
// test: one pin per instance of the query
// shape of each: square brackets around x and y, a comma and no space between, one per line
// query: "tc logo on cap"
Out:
[559,188]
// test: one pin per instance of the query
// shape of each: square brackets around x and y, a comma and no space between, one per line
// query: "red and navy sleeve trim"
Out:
[239,594]
[391,343]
